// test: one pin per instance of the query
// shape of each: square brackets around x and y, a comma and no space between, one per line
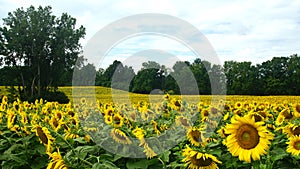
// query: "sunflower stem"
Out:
[72,148]
[162,162]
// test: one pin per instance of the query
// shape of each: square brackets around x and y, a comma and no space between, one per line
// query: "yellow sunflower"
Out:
[294,145]
[238,105]
[119,136]
[57,161]
[118,120]
[256,116]
[291,130]
[139,134]
[197,160]
[176,104]
[288,115]
[108,119]
[195,136]
[148,151]
[11,116]
[247,138]
[204,113]
[296,108]
[4,100]
[43,134]
[279,120]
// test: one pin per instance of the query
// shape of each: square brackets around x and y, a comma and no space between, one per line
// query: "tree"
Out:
[85,76]
[148,78]
[42,47]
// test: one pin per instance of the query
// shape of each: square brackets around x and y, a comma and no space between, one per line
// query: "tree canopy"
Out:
[42,48]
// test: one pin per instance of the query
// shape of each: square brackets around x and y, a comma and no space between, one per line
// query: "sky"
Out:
[250,30]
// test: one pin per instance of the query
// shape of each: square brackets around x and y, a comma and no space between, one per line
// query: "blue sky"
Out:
[238,30]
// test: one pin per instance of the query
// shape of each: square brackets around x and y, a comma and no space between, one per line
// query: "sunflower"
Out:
[56,125]
[24,119]
[287,114]
[56,161]
[4,100]
[139,134]
[195,136]
[119,136]
[197,160]
[279,120]
[154,123]
[247,138]
[43,134]
[148,151]
[132,116]
[2,107]
[291,130]
[176,104]
[108,119]
[204,113]
[294,145]
[256,116]
[83,101]
[182,121]
[11,116]
[238,105]
[117,120]
[296,108]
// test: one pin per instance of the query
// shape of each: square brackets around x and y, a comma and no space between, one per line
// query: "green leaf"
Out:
[13,148]
[278,154]
[165,156]
[13,157]
[216,151]
[105,165]
[140,164]
[39,162]
[80,140]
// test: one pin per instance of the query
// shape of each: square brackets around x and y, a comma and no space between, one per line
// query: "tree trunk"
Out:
[39,80]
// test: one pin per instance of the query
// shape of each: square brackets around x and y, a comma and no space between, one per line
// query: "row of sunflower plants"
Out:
[170,134]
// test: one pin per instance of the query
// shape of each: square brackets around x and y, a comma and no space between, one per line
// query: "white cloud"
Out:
[238,30]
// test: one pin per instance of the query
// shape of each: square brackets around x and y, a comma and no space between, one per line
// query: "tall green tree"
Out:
[41,46]
[148,78]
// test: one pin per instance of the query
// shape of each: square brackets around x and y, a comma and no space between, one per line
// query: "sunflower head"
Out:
[294,145]
[291,130]
[195,136]
[287,114]
[247,138]
[119,136]
[118,120]
[108,119]
[183,121]
[43,134]
[197,160]
[296,109]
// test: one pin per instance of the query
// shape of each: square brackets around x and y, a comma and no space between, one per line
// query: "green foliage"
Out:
[21,152]
[40,48]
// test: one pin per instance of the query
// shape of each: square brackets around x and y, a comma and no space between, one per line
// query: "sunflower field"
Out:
[173,133]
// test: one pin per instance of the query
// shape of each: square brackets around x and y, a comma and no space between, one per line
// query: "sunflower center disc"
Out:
[297,145]
[296,131]
[298,108]
[200,162]
[247,136]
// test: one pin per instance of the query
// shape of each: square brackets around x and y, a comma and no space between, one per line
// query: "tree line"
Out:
[278,76]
